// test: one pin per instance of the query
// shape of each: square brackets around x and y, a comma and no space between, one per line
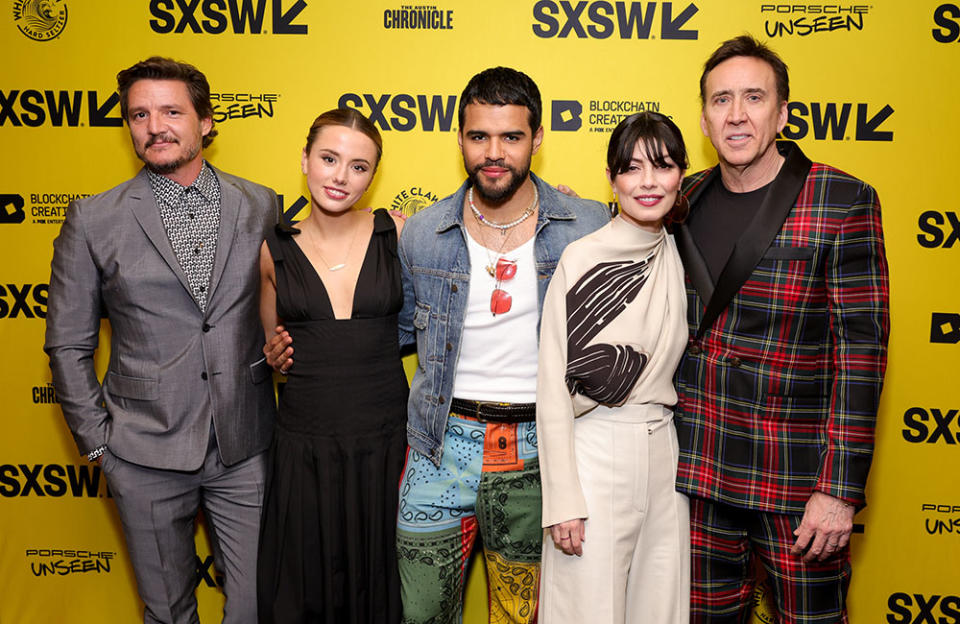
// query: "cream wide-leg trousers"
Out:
[635,566]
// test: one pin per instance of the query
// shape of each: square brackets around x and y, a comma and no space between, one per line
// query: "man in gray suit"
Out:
[186,407]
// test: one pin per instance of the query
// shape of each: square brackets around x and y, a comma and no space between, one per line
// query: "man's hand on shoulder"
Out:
[824,529]
[566,190]
[279,351]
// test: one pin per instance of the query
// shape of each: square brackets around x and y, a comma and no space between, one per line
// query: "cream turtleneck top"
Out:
[613,330]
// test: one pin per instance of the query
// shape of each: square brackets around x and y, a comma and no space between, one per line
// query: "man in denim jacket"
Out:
[476,266]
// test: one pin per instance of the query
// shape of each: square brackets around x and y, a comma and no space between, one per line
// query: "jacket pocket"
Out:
[139,388]
[788,253]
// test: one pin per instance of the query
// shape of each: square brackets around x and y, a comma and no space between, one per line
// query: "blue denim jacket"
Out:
[436,280]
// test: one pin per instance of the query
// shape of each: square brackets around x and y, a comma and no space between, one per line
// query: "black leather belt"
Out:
[491,411]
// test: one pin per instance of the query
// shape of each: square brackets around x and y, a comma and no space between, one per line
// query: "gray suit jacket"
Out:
[171,366]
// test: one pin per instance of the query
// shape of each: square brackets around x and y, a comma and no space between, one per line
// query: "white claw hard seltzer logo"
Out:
[41,20]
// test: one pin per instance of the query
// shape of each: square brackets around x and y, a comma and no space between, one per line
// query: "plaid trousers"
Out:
[725,541]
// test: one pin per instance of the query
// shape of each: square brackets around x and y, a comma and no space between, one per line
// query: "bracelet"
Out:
[97,452]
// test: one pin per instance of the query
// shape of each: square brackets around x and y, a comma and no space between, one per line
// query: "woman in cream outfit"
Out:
[614,327]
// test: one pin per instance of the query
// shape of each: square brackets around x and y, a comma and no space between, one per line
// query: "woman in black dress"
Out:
[327,536]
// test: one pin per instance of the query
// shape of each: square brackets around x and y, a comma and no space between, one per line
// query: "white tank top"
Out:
[498,353]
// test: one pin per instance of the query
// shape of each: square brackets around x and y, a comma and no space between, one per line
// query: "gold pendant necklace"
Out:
[340,265]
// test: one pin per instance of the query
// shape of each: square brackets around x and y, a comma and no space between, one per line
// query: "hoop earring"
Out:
[681,208]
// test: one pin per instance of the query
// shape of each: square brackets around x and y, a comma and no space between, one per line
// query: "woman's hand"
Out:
[569,536]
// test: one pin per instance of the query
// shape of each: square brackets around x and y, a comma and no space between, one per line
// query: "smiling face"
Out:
[166,131]
[742,114]
[497,146]
[647,190]
[339,167]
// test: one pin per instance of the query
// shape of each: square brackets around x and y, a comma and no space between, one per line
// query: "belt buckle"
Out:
[480,405]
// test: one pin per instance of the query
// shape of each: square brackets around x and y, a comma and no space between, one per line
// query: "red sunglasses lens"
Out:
[506,269]
[500,301]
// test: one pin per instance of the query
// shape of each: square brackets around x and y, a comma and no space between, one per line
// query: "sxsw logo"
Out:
[600,19]
[932,223]
[832,120]
[214,17]
[54,480]
[947,19]
[404,111]
[33,108]
[291,212]
[206,573]
[565,115]
[907,608]
[930,426]
[27,300]
[11,208]
[945,327]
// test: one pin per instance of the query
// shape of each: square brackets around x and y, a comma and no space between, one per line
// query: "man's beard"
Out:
[498,195]
[167,167]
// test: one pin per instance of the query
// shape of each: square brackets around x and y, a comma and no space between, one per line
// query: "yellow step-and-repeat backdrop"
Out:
[875,92]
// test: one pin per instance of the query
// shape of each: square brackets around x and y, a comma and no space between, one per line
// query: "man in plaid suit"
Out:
[779,387]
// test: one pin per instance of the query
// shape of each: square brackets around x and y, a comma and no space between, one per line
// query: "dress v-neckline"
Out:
[323,286]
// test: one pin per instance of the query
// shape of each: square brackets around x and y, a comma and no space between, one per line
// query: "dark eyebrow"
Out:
[759,90]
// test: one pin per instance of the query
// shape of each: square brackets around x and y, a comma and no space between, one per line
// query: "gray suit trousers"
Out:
[158,509]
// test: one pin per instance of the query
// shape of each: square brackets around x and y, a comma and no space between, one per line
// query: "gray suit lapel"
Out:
[147,213]
[231,204]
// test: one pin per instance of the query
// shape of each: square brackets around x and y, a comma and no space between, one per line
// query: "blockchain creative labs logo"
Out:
[229,106]
[412,199]
[11,208]
[41,20]
[418,17]
[43,208]
[802,20]
[941,518]
[600,115]
[945,328]
[68,561]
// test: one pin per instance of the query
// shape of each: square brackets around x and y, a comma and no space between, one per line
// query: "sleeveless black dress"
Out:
[327,551]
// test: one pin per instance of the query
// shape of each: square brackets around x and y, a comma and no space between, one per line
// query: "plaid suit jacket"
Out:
[780,383]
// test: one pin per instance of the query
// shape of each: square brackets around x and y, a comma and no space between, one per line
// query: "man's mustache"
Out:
[166,138]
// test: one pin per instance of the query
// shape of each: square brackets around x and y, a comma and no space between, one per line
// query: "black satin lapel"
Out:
[776,206]
[147,213]
[693,262]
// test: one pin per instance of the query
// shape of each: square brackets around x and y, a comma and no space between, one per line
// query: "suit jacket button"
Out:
[735,362]
[206,327]
[203,375]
